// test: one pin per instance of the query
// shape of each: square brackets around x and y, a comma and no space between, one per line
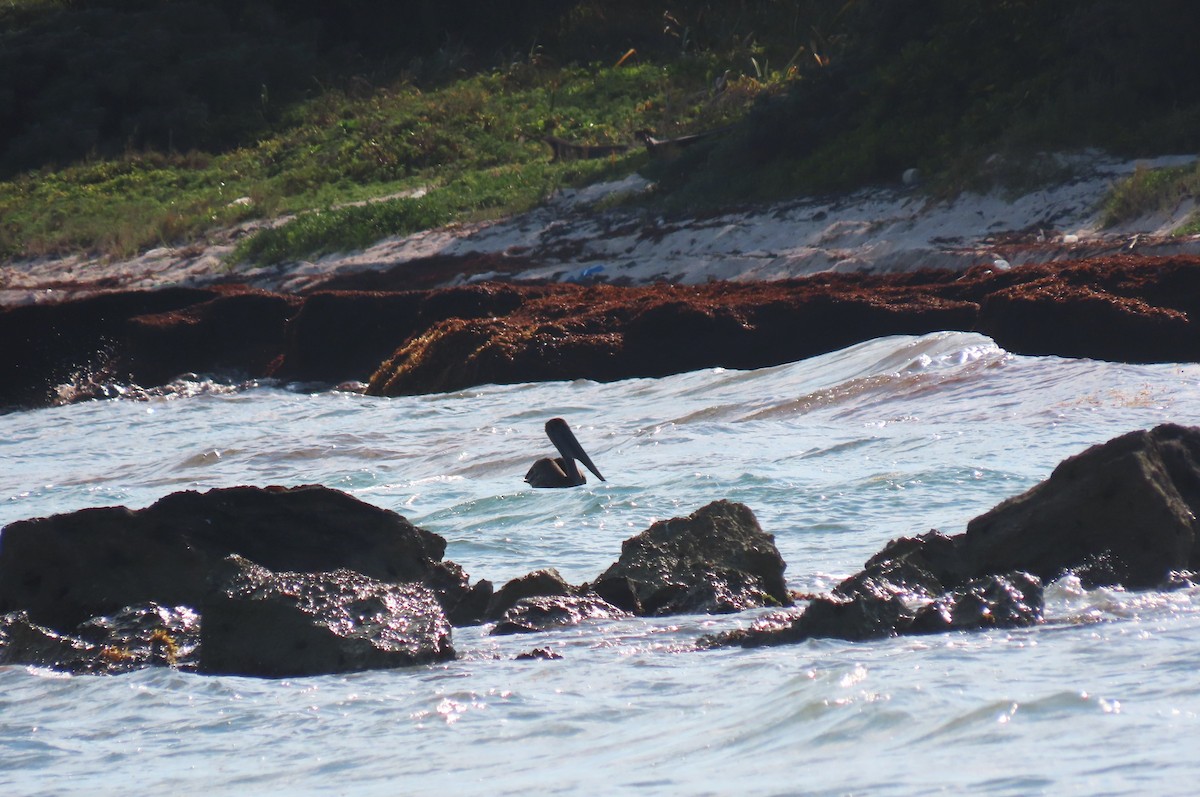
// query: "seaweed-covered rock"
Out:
[68,568]
[132,638]
[716,560]
[276,625]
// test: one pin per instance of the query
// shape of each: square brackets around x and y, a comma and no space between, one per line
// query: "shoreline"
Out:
[572,238]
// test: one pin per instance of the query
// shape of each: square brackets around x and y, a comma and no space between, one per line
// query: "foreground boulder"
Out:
[714,561]
[278,625]
[68,568]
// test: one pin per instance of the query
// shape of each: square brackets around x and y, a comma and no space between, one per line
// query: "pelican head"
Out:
[561,471]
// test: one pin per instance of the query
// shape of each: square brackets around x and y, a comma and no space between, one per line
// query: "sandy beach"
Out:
[878,230]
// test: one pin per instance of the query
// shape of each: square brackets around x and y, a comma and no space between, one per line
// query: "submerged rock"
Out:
[539,583]
[538,654]
[275,625]
[26,643]
[68,568]
[716,560]
[544,613]
[133,638]
[1009,601]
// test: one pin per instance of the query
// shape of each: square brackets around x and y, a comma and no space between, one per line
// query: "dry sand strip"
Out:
[568,239]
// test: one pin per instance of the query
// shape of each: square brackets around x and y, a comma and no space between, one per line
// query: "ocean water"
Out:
[836,455]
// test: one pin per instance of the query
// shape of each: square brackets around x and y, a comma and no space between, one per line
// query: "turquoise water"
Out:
[836,455]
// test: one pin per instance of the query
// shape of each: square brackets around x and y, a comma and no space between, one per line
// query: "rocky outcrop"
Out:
[309,580]
[714,561]
[1012,600]
[68,568]
[1124,307]
[1130,504]
[278,625]
[1120,513]
[47,345]
[237,334]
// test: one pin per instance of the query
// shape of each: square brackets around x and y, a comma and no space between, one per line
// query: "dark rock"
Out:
[1056,316]
[1124,307]
[148,634]
[620,592]
[531,615]
[859,618]
[47,345]
[933,553]
[340,336]
[68,568]
[715,560]
[778,628]
[1131,503]
[279,625]
[239,334]
[540,583]
[471,609]
[544,654]
[1010,601]
[23,642]
[855,619]
[133,638]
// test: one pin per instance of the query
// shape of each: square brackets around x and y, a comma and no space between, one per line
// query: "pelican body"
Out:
[561,471]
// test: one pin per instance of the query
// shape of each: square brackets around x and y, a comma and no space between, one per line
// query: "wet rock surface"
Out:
[538,584]
[545,613]
[1012,600]
[348,586]
[135,637]
[68,568]
[714,561]
[1123,307]
[276,625]
[1120,513]
[1132,502]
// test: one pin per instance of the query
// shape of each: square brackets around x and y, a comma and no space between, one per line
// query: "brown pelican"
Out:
[561,471]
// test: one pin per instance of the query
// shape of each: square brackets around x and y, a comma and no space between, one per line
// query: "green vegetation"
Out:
[129,124]
[475,144]
[1149,191]
[943,85]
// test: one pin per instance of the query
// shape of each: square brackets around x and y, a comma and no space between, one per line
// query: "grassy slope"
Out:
[848,93]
